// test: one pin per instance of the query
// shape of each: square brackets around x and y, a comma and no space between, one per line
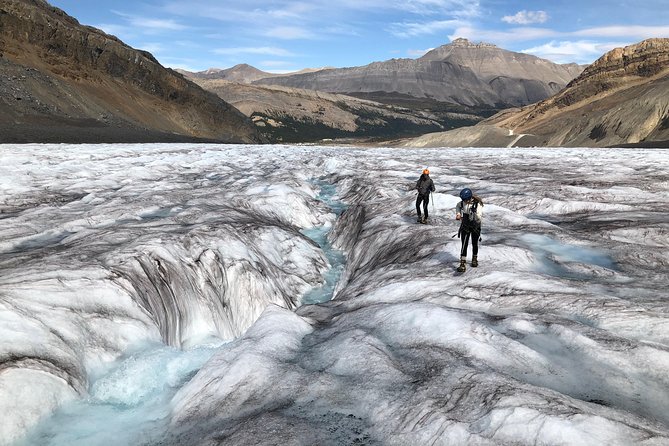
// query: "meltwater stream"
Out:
[553,257]
[336,259]
[129,400]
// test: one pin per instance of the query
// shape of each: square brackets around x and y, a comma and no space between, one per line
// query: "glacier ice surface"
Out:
[154,294]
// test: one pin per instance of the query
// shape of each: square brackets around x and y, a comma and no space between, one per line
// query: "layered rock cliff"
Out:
[621,99]
[68,82]
[461,72]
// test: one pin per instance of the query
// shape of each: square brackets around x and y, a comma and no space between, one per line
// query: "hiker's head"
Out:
[466,194]
[426,171]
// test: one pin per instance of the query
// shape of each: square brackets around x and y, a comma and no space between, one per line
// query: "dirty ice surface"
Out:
[206,294]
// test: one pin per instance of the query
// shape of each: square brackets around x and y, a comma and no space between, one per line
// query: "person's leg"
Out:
[426,200]
[418,200]
[475,249]
[465,241]
[464,236]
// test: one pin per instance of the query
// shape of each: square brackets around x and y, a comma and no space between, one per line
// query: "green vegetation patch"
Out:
[370,124]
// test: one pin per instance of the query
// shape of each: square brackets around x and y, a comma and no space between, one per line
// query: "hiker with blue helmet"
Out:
[469,211]
[425,186]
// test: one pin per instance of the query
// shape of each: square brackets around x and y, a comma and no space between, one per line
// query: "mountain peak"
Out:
[650,52]
[461,42]
[462,47]
[243,66]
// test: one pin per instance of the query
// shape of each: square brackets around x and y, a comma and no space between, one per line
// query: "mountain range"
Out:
[61,81]
[242,72]
[452,86]
[621,99]
[462,72]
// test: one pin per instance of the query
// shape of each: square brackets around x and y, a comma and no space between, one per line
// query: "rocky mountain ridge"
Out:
[66,82]
[455,85]
[619,68]
[243,73]
[461,73]
[620,99]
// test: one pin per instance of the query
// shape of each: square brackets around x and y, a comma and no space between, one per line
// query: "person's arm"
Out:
[432,188]
[458,211]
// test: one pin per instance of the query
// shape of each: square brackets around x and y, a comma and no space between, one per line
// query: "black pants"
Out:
[465,237]
[425,199]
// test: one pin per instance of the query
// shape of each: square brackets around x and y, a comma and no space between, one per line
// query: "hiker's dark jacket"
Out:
[425,185]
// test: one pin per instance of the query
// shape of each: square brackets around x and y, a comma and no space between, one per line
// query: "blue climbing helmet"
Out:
[466,194]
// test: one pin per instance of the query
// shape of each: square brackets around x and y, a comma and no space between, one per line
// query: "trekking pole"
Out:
[457,233]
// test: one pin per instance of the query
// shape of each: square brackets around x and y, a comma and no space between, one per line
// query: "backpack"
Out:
[469,224]
[424,186]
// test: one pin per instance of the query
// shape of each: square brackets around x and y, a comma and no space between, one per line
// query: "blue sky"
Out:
[288,35]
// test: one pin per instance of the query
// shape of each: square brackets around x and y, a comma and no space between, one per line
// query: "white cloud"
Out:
[341,30]
[567,51]
[266,50]
[451,8]
[258,23]
[418,53]
[114,29]
[157,24]
[418,29]
[187,44]
[629,32]
[151,24]
[289,33]
[299,19]
[275,63]
[199,8]
[504,37]
[526,17]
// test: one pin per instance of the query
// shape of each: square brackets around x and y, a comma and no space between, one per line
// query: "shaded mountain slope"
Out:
[621,99]
[286,114]
[66,82]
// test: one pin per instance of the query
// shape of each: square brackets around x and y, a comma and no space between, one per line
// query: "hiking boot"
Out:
[420,219]
[463,266]
[424,221]
[475,261]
